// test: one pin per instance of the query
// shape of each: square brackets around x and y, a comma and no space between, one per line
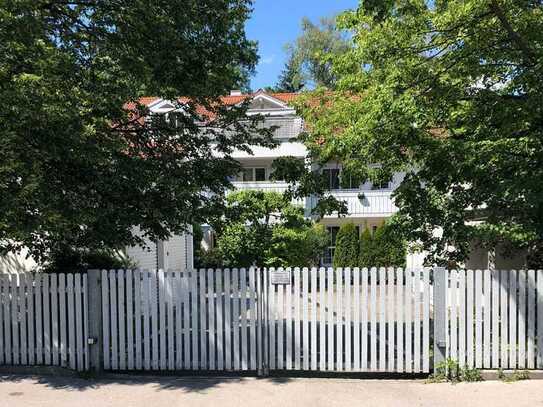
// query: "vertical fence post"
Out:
[440,315]
[94,340]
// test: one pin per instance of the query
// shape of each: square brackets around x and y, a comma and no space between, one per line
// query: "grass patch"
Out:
[450,371]
[516,376]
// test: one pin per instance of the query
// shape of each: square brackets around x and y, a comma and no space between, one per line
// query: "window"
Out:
[331,176]
[328,255]
[260,174]
[252,174]
[247,175]
[336,179]
[349,182]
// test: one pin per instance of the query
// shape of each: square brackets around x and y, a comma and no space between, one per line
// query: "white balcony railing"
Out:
[359,203]
[266,186]
[365,203]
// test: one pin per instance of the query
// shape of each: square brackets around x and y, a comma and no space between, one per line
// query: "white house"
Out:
[369,205]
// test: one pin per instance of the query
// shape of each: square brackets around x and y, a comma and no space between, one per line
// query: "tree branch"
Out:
[513,35]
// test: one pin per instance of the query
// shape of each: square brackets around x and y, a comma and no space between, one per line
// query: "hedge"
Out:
[346,252]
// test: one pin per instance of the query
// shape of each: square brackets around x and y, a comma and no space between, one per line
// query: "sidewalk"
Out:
[29,391]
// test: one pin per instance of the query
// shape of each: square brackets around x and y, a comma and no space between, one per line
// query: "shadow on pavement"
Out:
[185,383]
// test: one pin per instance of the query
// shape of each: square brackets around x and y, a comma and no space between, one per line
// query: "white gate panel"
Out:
[43,320]
[360,320]
[506,332]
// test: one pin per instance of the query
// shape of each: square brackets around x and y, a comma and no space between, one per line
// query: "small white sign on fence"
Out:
[280,277]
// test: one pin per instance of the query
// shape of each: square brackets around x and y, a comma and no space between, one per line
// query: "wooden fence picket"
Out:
[38,319]
[336,320]
[505,332]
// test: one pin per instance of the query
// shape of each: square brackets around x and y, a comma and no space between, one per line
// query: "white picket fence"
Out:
[334,320]
[496,318]
[43,320]
[329,320]
[347,320]
[198,320]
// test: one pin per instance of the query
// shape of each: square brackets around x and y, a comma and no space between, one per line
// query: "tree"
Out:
[389,247]
[266,229]
[347,246]
[309,55]
[451,94]
[81,161]
[290,79]
[302,246]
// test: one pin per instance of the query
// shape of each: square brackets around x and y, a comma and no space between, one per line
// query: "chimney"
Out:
[235,92]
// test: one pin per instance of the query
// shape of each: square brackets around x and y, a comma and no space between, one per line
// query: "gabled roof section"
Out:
[261,102]
[280,98]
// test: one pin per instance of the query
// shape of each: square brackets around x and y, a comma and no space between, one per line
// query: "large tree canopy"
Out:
[80,163]
[451,93]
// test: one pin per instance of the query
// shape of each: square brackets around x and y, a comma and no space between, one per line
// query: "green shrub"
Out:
[390,249]
[209,259]
[385,248]
[266,229]
[513,377]
[242,246]
[450,371]
[346,253]
[366,251]
[291,247]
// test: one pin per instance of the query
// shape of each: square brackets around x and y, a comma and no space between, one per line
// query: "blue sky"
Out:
[276,22]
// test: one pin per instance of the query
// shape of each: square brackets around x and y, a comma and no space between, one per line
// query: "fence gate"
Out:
[348,320]
[234,320]
[203,320]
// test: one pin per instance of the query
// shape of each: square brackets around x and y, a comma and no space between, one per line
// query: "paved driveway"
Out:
[28,391]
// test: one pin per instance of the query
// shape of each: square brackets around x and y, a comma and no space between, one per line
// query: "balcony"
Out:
[367,204]
[360,203]
[266,186]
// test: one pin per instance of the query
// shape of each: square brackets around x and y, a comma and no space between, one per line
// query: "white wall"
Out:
[144,257]
[177,253]
[17,262]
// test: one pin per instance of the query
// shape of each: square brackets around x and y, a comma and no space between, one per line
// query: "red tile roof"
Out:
[227,100]
[234,99]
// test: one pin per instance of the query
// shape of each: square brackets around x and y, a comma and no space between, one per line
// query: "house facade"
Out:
[369,205]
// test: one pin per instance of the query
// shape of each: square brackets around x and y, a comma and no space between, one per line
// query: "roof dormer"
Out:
[267,104]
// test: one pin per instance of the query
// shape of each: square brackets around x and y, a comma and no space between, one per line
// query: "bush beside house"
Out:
[366,250]
[382,249]
[266,229]
[346,253]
